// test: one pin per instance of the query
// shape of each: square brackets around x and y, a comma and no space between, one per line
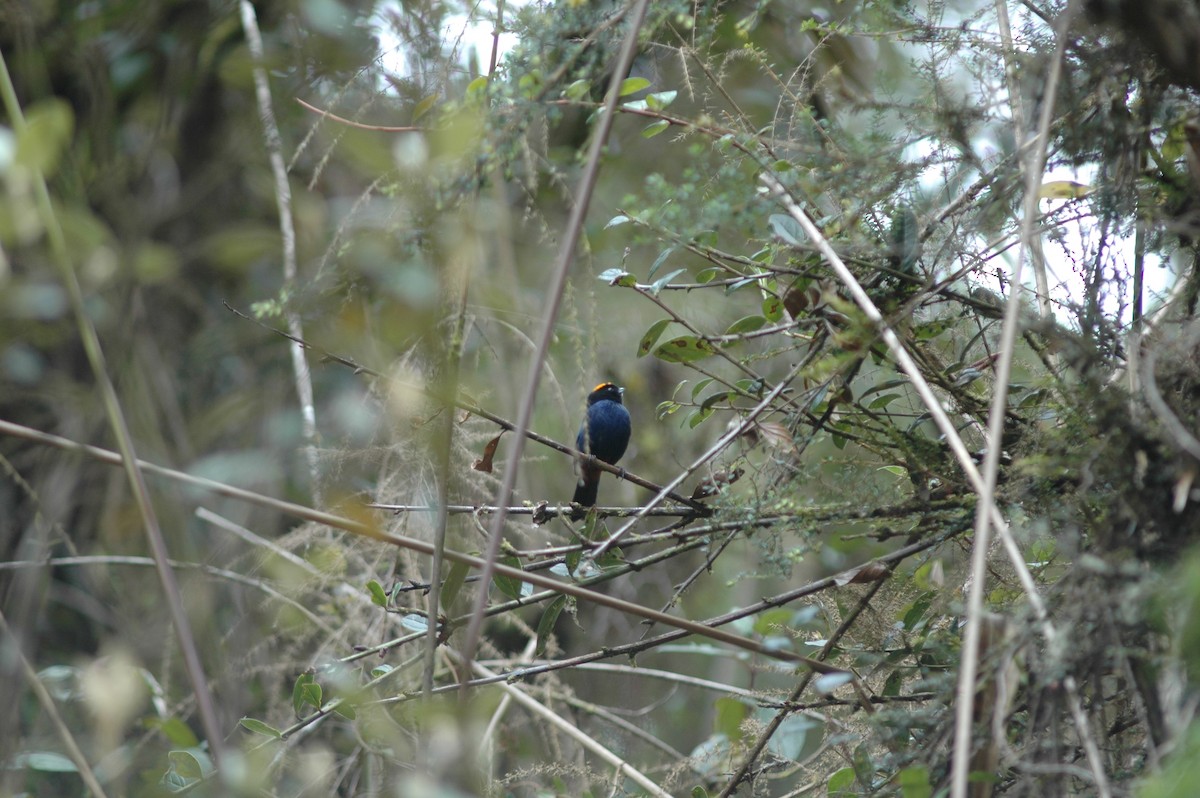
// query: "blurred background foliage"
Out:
[428,203]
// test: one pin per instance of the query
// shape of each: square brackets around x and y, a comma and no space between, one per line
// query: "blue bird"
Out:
[605,434]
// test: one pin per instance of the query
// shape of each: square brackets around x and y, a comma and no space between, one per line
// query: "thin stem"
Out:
[44,698]
[287,231]
[566,256]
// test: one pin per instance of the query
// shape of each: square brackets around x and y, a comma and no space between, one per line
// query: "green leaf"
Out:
[258,727]
[841,783]
[882,401]
[507,585]
[306,692]
[730,714]
[698,418]
[737,285]
[893,683]
[931,329]
[713,399]
[617,277]
[707,275]
[650,338]
[345,709]
[45,762]
[424,106]
[660,99]
[48,128]
[178,733]
[661,282]
[685,349]
[577,90]
[827,683]
[477,86]
[378,596]
[632,86]
[546,623]
[665,409]
[619,219]
[659,261]
[797,737]
[454,582]
[772,309]
[190,764]
[916,611]
[700,386]
[914,782]
[787,229]
[654,128]
[415,623]
[753,387]
[746,324]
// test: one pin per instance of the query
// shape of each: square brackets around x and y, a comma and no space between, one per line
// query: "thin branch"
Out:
[1017,105]
[1180,436]
[986,513]
[373,531]
[566,256]
[938,414]
[143,562]
[729,437]
[287,231]
[359,125]
[476,410]
[86,774]
[760,744]
[539,710]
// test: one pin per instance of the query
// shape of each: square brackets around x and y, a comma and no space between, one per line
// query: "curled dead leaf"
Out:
[484,463]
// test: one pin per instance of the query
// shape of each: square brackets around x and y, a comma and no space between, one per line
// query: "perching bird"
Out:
[605,434]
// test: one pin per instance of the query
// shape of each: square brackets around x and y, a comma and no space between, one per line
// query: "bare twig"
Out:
[554,719]
[476,410]
[1180,436]
[760,744]
[986,513]
[287,231]
[566,256]
[360,125]
[372,531]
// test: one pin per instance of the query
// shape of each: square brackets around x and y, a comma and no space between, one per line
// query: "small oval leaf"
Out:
[632,86]
[654,128]
[685,349]
[651,337]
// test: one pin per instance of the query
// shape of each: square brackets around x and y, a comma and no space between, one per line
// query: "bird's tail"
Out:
[585,492]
